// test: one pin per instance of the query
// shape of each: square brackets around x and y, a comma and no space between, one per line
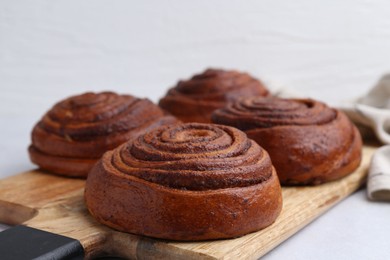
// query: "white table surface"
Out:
[354,229]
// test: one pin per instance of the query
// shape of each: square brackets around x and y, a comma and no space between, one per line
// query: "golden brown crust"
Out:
[75,133]
[308,142]
[195,99]
[186,182]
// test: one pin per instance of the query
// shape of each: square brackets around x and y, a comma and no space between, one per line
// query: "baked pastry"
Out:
[75,133]
[195,99]
[308,142]
[185,182]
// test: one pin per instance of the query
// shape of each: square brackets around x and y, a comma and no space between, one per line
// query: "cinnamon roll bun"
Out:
[185,182]
[195,99]
[308,142]
[75,133]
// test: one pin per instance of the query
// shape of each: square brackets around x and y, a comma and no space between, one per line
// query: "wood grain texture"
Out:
[56,204]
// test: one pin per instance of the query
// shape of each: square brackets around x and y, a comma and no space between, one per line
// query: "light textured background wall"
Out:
[143,47]
[52,49]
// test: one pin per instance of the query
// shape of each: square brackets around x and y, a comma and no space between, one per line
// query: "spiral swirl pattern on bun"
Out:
[195,99]
[75,133]
[186,182]
[308,142]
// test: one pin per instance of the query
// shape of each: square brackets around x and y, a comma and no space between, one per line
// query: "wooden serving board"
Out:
[56,204]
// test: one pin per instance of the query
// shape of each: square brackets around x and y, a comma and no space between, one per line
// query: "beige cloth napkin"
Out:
[378,184]
[373,111]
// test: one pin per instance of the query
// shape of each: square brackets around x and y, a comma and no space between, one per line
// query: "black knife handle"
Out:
[21,242]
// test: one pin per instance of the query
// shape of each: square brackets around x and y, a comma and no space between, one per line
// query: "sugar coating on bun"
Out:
[186,182]
[194,100]
[76,131]
[308,142]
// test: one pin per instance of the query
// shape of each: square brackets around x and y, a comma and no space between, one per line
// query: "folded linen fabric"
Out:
[378,183]
[373,109]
